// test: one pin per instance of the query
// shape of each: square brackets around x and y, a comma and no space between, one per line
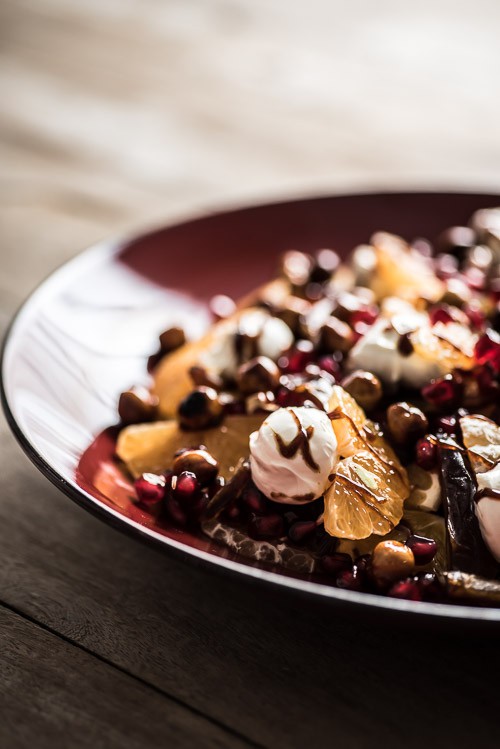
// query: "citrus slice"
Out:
[150,448]
[364,498]
[355,433]
[481,437]
[449,349]
[401,271]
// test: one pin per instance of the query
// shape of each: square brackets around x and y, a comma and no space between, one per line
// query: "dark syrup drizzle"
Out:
[300,443]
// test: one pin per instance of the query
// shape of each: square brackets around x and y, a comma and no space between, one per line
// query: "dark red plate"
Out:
[85,334]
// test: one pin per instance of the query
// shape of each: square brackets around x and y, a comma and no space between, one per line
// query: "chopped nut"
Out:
[391,560]
[172,339]
[292,311]
[137,405]
[222,306]
[202,378]
[325,264]
[296,267]
[200,462]
[364,387]
[406,422]
[200,409]
[336,335]
[259,374]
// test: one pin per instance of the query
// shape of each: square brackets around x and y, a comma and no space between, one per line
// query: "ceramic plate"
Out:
[85,334]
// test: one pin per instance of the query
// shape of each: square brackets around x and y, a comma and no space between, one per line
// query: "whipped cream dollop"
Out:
[268,336]
[488,509]
[379,350]
[293,455]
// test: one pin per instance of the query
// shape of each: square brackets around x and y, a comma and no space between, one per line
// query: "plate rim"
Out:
[111,246]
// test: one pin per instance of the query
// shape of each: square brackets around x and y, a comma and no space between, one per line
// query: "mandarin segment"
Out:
[365,498]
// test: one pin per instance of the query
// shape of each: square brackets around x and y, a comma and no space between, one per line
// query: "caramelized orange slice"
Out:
[150,448]
[364,499]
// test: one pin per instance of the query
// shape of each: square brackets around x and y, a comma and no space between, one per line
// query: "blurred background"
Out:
[115,114]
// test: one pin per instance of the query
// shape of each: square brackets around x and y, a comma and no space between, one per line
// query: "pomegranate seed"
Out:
[254,501]
[487,350]
[329,365]
[440,314]
[475,279]
[425,454]
[266,527]
[422,246]
[424,549]
[429,587]
[335,563]
[443,392]
[297,359]
[185,487]
[363,318]
[175,511]
[197,508]
[232,512]
[406,589]
[150,489]
[476,317]
[349,580]
[235,408]
[445,266]
[447,424]
[301,531]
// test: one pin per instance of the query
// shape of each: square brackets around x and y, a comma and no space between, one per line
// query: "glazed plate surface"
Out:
[85,334]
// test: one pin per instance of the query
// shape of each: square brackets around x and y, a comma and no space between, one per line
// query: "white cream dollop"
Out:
[377,351]
[272,335]
[293,479]
[488,510]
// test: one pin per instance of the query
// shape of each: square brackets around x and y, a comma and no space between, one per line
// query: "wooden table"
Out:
[114,115]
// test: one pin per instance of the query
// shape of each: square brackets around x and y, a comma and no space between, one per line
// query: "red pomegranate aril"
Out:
[405,589]
[329,365]
[424,549]
[476,317]
[254,501]
[443,392]
[440,314]
[445,266]
[232,512]
[266,527]
[150,489]
[197,508]
[185,487]
[349,580]
[301,531]
[333,564]
[425,454]
[487,350]
[447,424]
[297,359]
[363,317]
[175,511]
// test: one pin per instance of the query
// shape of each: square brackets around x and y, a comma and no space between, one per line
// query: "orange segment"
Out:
[365,498]
[150,448]
[447,351]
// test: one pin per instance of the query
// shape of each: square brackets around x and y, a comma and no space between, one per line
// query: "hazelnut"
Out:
[336,335]
[172,339]
[456,240]
[296,267]
[391,560]
[406,422]
[325,264]
[137,405]
[222,306]
[292,312]
[200,462]
[200,409]
[202,378]
[365,388]
[259,374]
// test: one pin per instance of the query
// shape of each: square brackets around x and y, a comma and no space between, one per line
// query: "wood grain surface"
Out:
[118,114]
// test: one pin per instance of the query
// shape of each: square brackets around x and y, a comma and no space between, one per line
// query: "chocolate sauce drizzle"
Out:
[300,443]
